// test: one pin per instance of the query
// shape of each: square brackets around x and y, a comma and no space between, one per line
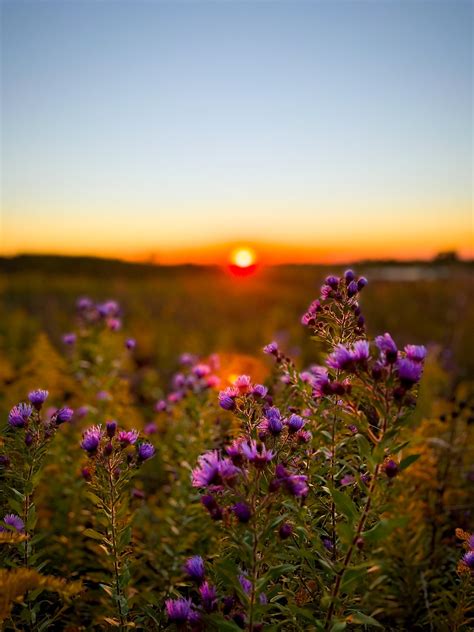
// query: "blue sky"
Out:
[141,127]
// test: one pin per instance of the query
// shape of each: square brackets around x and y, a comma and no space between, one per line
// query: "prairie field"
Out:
[349,506]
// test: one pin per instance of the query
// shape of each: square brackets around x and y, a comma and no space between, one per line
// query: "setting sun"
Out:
[243,257]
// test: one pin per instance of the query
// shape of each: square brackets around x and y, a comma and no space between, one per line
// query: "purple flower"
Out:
[194,568]
[69,339]
[327,544]
[103,396]
[226,401]
[349,276]
[326,292]
[82,411]
[150,428]
[303,436]
[201,370]
[340,358]
[242,511]
[361,283]
[145,451]
[14,521]
[348,479]
[178,610]
[332,281]
[391,468]
[160,406]
[285,530]
[246,584]
[64,414]
[213,471]
[468,559]
[388,348]
[295,423]
[19,415]
[416,353]
[271,349]
[256,453]
[409,372]
[295,484]
[114,324]
[208,596]
[360,351]
[38,397]
[353,428]
[234,451]
[321,385]
[272,423]
[111,428]
[130,343]
[91,439]
[243,384]
[352,289]
[259,390]
[471,542]
[212,507]
[128,437]
[84,303]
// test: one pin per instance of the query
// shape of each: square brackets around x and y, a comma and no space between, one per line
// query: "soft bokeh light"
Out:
[243,257]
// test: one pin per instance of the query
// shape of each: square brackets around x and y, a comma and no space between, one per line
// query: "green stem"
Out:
[113,528]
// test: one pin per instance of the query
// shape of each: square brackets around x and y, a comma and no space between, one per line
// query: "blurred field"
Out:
[205,310]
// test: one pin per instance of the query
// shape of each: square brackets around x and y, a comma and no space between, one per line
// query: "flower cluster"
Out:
[195,376]
[110,442]
[242,391]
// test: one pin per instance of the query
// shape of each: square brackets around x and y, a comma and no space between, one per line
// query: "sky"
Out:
[174,131]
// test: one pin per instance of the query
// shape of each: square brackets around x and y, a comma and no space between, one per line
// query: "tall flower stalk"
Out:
[114,457]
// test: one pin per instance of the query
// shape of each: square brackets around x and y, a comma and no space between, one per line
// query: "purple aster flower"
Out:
[212,507]
[145,451]
[111,428]
[14,521]
[321,385]
[361,283]
[388,348]
[69,339]
[332,281]
[130,343]
[208,596]
[178,610]
[272,423]
[160,406]
[91,439]
[295,484]
[246,584]
[352,289]
[226,401]
[19,415]
[271,349]
[348,479]
[84,303]
[128,437]
[82,411]
[295,423]
[242,511]
[349,276]
[114,324]
[353,428]
[416,353]
[409,372]
[234,451]
[38,397]
[327,544]
[213,471]
[468,559]
[259,390]
[340,358]
[285,530]
[243,383]
[471,542]
[64,414]
[103,396]
[360,351]
[256,453]
[326,291]
[303,436]
[391,468]
[194,568]
[201,370]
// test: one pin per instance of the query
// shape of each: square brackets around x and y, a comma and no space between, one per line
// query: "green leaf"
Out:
[407,461]
[360,617]
[95,535]
[383,529]
[344,504]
